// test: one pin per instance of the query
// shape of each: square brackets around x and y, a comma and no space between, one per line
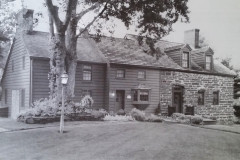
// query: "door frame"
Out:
[178,90]
[123,97]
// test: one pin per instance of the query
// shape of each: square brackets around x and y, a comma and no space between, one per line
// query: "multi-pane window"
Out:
[216,98]
[208,62]
[185,60]
[140,95]
[144,95]
[120,73]
[135,95]
[141,74]
[200,97]
[87,72]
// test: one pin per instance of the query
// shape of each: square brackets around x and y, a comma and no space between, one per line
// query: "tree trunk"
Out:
[57,65]
[71,57]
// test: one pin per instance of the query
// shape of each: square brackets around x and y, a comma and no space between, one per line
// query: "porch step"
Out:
[209,121]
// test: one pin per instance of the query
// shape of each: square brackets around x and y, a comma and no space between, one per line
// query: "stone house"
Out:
[119,74]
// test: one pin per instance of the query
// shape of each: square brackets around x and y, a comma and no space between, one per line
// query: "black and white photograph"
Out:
[119,80]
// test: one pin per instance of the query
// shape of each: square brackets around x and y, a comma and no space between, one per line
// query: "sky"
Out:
[218,21]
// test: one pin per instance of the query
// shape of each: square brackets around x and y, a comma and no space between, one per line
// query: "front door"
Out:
[119,100]
[15,109]
[178,99]
[177,102]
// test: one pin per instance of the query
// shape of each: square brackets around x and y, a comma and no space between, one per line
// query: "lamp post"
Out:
[64,79]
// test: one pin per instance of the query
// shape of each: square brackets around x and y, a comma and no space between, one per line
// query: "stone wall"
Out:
[192,83]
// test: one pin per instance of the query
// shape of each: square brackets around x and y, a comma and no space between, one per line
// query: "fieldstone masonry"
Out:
[192,83]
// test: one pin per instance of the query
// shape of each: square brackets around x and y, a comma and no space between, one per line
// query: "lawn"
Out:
[120,141]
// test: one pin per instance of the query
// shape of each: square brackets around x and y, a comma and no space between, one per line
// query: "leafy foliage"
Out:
[227,62]
[141,116]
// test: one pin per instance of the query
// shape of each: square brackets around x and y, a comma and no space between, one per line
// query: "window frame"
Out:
[210,62]
[86,91]
[203,97]
[218,98]
[85,70]
[185,60]
[141,78]
[138,100]
[124,74]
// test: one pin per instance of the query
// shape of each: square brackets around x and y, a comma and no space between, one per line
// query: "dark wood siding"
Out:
[131,81]
[97,85]
[19,78]
[40,83]
[176,55]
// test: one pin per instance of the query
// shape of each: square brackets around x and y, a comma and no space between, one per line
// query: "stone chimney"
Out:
[25,21]
[191,37]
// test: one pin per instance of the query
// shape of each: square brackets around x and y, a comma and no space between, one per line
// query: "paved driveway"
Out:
[120,141]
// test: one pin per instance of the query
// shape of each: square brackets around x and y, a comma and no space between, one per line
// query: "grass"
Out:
[121,141]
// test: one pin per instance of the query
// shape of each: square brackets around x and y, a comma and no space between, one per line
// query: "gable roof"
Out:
[128,51]
[203,50]
[118,51]
[37,45]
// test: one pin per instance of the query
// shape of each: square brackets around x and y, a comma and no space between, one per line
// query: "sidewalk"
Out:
[8,125]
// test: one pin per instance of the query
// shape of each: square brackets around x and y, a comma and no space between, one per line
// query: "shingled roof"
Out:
[37,44]
[116,50]
[128,51]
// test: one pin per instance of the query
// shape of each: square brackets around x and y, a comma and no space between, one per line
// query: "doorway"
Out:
[120,94]
[178,99]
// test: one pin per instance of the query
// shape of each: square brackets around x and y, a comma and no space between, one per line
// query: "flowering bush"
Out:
[141,116]
[138,115]
[187,119]
[122,118]
[47,108]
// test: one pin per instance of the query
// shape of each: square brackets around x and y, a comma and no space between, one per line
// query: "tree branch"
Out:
[94,19]
[53,12]
[71,4]
[80,15]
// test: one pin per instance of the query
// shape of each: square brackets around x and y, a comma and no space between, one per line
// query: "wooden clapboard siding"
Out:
[199,58]
[131,81]
[176,55]
[97,85]
[19,78]
[40,83]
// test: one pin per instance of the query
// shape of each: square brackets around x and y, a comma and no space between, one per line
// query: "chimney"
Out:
[25,20]
[191,37]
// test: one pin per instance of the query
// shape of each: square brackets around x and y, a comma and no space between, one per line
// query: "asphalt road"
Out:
[120,141]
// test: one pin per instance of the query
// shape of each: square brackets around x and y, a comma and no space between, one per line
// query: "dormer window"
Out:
[185,60]
[208,62]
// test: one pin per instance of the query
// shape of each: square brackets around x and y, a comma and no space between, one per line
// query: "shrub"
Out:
[237,110]
[196,120]
[138,114]
[153,118]
[178,116]
[46,108]
[158,109]
[121,112]
[118,118]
